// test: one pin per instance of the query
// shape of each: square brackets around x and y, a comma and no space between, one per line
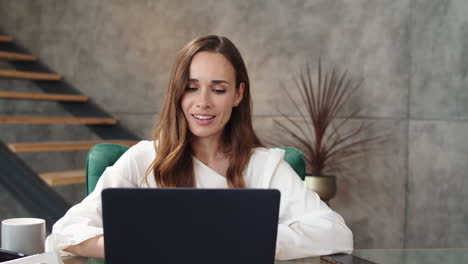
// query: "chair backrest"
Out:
[102,156]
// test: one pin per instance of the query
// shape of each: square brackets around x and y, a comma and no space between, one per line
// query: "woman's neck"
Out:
[208,150]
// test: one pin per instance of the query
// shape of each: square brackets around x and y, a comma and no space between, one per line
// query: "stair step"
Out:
[63,145]
[30,75]
[57,120]
[5,55]
[64,177]
[43,96]
[4,38]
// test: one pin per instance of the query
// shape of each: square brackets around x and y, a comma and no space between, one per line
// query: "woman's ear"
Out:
[239,94]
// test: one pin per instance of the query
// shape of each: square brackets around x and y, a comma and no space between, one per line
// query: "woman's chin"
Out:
[204,134]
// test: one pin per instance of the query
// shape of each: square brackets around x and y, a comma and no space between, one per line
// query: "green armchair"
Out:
[104,155]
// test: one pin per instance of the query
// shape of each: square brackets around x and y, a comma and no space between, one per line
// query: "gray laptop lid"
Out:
[183,226]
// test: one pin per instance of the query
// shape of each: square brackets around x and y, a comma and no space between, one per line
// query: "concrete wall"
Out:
[412,53]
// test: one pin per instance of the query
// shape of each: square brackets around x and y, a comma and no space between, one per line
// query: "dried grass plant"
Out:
[327,140]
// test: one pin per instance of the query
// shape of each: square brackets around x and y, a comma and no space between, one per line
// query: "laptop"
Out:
[186,225]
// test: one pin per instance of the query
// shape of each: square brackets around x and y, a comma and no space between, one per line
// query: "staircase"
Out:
[34,190]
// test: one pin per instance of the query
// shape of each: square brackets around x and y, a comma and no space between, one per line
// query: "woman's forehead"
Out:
[210,66]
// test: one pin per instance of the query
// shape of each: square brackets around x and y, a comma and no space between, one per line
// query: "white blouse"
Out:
[307,226]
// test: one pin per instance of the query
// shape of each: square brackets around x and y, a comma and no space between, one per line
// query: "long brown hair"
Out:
[173,165]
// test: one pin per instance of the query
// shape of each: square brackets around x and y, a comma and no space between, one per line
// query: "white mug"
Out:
[23,235]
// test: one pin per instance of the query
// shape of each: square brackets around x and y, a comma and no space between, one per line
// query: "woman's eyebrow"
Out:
[219,81]
[212,81]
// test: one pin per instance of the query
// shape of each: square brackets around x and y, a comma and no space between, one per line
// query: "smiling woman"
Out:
[208,92]
[205,139]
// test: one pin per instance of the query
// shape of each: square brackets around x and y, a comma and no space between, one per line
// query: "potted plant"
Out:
[326,139]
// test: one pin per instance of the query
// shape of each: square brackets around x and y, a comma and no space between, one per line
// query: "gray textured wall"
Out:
[412,53]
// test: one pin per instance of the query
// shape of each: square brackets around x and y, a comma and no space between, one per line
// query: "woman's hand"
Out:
[91,248]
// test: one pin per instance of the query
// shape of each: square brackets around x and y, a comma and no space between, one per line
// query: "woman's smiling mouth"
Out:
[203,119]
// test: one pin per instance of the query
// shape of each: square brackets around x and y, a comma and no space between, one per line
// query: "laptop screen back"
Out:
[182,226]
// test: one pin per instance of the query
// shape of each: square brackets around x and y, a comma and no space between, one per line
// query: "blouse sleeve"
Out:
[84,220]
[307,226]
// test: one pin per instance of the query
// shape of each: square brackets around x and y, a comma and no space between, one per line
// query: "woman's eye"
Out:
[190,89]
[219,91]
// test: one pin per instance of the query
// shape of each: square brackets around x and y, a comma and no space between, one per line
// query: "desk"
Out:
[381,256]
[415,256]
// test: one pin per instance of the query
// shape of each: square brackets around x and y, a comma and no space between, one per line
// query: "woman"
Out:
[205,139]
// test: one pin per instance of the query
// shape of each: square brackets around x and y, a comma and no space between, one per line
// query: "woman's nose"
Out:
[204,100]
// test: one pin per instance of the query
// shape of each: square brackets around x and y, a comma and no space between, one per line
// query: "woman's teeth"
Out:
[203,117]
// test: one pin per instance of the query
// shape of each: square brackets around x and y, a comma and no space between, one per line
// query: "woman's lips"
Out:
[204,120]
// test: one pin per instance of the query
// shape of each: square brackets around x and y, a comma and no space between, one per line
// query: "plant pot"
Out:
[324,186]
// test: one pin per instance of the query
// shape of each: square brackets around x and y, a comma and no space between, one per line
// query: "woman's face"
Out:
[210,94]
